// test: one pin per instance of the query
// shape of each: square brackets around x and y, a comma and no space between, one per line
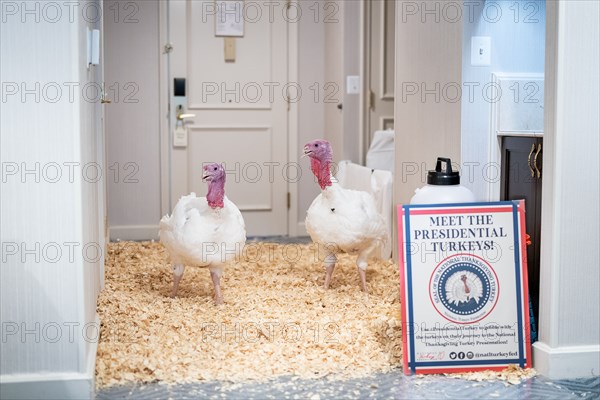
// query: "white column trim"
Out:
[566,362]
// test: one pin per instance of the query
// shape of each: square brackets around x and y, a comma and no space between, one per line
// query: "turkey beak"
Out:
[307,151]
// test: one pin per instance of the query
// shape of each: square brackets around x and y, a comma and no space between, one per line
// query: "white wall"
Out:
[569,330]
[311,114]
[428,51]
[517,32]
[48,285]
[351,38]
[132,52]
[328,51]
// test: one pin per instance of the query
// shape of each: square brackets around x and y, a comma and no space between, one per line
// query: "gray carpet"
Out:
[393,385]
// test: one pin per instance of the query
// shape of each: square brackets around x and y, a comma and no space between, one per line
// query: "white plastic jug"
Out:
[443,187]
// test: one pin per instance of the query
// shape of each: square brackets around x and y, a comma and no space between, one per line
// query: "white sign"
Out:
[229,18]
[463,284]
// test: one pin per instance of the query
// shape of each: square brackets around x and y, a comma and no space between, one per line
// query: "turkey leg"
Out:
[362,263]
[363,278]
[330,261]
[177,274]
[216,278]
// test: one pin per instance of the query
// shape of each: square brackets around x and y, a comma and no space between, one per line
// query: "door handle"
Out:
[181,116]
[529,160]
[537,153]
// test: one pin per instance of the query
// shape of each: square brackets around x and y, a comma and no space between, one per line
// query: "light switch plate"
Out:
[180,137]
[481,47]
[352,84]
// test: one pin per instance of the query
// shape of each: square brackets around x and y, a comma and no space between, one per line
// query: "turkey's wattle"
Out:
[216,190]
[321,171]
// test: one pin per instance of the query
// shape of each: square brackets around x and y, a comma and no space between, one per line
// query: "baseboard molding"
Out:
[134,232]
[47,386]
[301,229]
[566,362]
[65,385]
[150,232]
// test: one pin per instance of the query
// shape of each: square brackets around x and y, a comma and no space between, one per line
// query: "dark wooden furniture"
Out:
[521,178]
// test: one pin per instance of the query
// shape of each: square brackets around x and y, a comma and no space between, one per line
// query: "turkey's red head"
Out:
[214,174]
[320,154]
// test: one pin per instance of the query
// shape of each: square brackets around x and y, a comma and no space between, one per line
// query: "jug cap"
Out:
[447,177]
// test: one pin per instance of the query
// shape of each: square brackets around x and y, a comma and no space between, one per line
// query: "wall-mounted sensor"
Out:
[93,47]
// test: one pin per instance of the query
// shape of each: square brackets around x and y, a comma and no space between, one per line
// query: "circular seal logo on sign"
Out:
[463,288]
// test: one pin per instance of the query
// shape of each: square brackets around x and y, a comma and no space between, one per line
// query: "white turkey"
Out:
[463,286]
[342,219]
[204,231]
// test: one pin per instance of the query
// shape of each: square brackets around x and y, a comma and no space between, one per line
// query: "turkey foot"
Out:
[216,278]
[177,275]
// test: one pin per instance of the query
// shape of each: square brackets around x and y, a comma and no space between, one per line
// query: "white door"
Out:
[238,92]
[381,65]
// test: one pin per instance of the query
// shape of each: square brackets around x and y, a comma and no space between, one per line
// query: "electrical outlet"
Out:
[481,47]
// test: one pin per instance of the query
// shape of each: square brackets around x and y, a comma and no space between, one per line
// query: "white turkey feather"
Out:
[197,235]
[347,218]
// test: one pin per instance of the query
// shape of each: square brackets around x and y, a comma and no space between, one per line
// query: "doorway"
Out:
[379,39]
[234,91]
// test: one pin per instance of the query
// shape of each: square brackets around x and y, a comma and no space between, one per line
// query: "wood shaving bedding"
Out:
[277,319]
[512,374]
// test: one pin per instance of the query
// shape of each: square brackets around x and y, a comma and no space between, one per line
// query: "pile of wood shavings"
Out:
[277,319]
[512,374]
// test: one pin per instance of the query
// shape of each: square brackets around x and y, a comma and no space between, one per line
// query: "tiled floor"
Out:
[392,385]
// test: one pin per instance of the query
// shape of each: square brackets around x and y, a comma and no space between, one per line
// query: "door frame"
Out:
[366,99]
[165,88]
[164,106]
[100,127]
[292,120]
[365,73]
